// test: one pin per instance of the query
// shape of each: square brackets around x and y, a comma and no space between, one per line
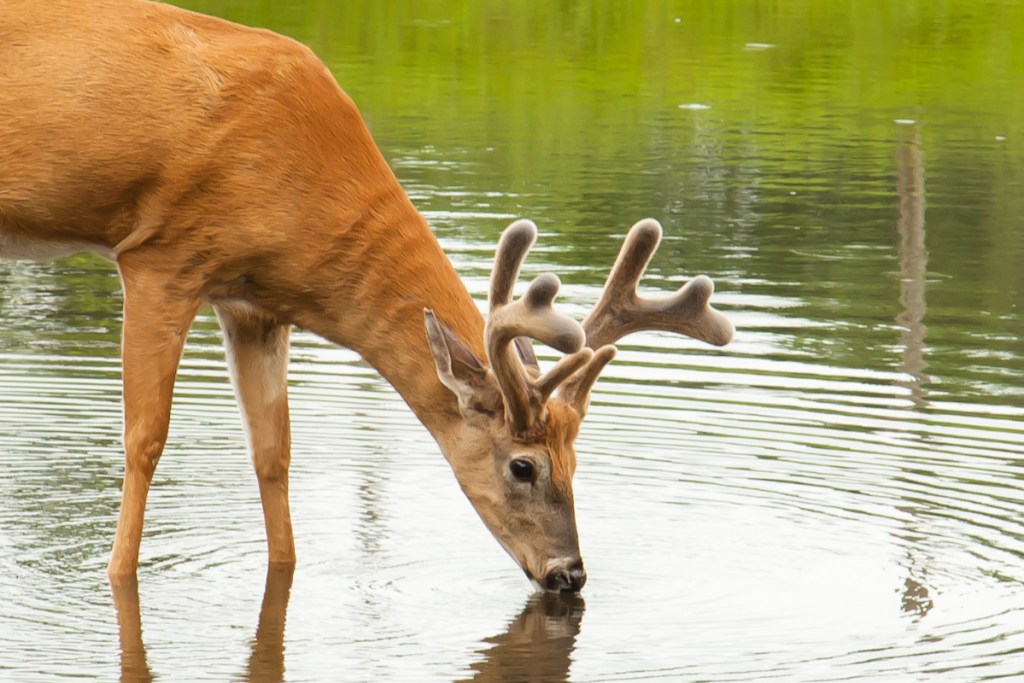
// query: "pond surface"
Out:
[836,495]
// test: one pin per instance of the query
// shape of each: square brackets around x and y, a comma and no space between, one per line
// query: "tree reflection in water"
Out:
[916,599]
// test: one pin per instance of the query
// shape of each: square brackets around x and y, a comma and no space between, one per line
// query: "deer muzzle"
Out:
[567,577]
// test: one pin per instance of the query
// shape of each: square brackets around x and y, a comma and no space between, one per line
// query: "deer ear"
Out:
[460,370]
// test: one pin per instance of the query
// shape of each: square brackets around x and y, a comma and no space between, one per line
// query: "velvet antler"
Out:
[621,310]
[532,316]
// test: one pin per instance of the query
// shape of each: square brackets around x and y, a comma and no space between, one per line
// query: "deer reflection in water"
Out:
[266,660]
[134,667]
[537,646]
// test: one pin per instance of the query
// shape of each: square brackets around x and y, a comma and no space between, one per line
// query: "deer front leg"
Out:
[156,321]
[257,351]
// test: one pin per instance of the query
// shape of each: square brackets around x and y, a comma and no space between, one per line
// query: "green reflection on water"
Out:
[765,136]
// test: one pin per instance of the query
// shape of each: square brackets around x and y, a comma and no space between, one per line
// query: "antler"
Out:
[621,310]
[525,394]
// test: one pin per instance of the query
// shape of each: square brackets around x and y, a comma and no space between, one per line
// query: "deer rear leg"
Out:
[257,351]
[156,321]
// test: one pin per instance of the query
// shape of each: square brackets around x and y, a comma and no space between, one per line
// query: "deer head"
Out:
[513,453]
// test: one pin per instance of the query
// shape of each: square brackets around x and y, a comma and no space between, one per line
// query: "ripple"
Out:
[822,515]
[800,504]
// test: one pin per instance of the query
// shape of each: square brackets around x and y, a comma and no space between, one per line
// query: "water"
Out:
[836,495]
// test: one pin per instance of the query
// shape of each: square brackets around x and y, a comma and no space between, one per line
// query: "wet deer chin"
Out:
[537,587]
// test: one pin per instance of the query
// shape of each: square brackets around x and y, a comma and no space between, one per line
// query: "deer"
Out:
[221,165]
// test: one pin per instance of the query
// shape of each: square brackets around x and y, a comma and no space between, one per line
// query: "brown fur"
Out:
[222,164]
[562,426]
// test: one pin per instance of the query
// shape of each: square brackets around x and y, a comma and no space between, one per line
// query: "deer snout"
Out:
[566,578]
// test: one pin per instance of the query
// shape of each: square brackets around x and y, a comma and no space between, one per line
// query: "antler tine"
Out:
[561,371]
[515,243]
[513,246]
[531,316]
[621,310]
[576,391]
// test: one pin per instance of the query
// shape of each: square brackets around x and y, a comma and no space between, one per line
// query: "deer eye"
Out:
[521,469]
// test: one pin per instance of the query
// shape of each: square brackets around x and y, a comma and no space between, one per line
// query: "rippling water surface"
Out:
[837,495]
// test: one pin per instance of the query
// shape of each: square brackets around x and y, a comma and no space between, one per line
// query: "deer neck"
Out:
[382,268]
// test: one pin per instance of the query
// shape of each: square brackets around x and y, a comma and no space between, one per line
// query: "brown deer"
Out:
[220,164]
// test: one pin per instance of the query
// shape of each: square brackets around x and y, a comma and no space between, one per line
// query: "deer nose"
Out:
[566,579]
